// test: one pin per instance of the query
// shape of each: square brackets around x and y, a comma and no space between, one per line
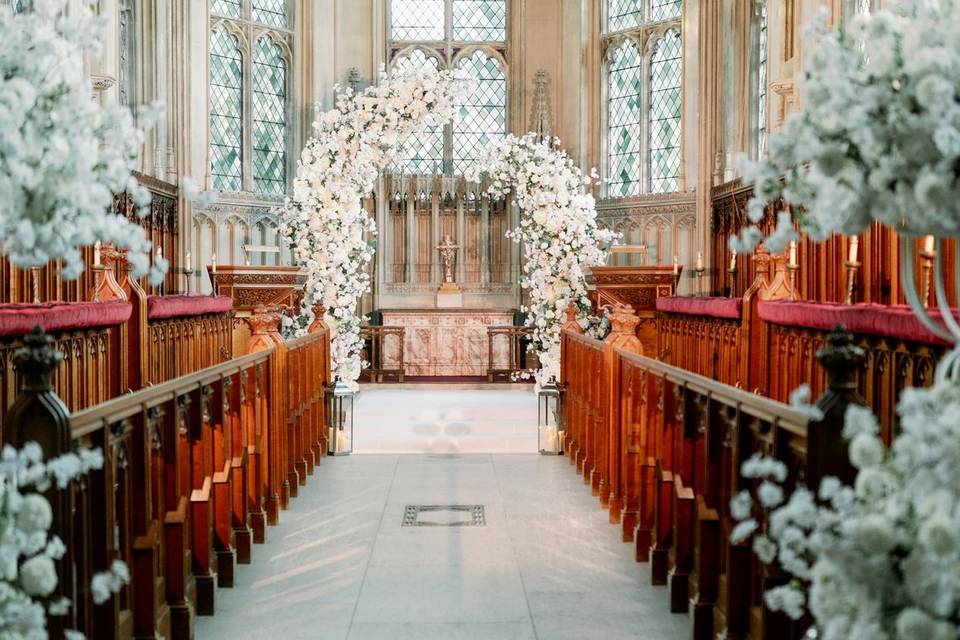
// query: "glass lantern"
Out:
[339,399]
[549,422]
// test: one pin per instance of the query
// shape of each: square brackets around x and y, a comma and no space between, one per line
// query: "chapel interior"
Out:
[250,491]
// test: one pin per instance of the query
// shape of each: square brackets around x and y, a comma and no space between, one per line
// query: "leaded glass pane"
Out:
[762,82]
[19,6]
[665,9]
[417,20]
[483,117]
[269,118]
[665,109]
[229,8]
[272,13]
[624,120]
[421,154]
[624,14]
[864,6]
[226,111]
[480,20]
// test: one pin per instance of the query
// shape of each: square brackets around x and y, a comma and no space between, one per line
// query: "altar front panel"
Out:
[446,342]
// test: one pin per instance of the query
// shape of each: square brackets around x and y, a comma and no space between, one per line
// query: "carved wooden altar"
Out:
[638,287]
[254,286]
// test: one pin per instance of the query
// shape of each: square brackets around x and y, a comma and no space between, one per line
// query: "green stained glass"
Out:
[229,8]
[483,117]
[624,14]
[666,102]
[272,13]
[269,118]
[417,20]
[423,154]
[665,9]
[479,20]
[226,111]
[624,120]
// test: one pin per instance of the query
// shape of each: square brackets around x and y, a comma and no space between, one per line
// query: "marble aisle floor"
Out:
[546,566]
[445,418]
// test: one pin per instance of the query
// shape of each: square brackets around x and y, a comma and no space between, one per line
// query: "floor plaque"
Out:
[444,515]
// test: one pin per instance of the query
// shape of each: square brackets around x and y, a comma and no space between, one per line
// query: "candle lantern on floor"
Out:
[339,418]
[549,423]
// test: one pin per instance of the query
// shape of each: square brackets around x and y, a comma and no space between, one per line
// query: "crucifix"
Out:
[448,253]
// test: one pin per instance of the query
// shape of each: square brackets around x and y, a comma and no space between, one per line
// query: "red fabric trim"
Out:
[890,321]
[184,306]
[729,308]
[20,319]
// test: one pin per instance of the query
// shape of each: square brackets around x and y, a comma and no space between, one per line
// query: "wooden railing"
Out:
[195,468]
[380,365]
[516,338]
[662,448]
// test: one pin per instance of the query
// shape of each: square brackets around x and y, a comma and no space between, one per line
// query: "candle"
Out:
[213,263]
[676,266]
[159,253]
[854,249]
[793,253]
[699,261]
[189,266]
[733,261]
[928,245]
[96,254]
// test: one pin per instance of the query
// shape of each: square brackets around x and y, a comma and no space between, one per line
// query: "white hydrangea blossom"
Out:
[558,232]
[64,154]
[325,222]
[877,136]
[28,553]
[879,560]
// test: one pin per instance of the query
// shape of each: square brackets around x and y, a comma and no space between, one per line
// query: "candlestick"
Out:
[699,261]
[792,270]
[96,254]
[733,261]
[852,268]
[854,249]
[35,278]
[733,278]
[97,275]
[676,266]
[927,256]
[793,254]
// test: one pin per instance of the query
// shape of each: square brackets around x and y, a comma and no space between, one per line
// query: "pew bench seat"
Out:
[18,319]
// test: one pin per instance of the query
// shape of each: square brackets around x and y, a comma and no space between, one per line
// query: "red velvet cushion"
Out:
[20,319]
[891,321]
[185,306]
[701,306]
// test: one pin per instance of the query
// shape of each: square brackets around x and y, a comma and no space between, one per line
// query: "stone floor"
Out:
[546,565]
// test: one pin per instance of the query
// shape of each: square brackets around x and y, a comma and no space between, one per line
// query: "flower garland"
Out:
[558,231]
[878,134]
[28,553]
[325,222]
[64,154]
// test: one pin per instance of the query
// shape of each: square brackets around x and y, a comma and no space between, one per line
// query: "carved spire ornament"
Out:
[540,117]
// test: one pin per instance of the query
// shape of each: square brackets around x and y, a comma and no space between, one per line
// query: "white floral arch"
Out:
[328,229]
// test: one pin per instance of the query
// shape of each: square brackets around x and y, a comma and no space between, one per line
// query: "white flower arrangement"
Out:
[558,232]
[878,133]
[881,559]
[325,222]
[64,154]
[28,553]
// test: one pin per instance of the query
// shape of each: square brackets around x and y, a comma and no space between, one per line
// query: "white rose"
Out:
[38,576]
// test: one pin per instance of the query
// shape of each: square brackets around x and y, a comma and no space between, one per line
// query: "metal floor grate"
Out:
[446,515]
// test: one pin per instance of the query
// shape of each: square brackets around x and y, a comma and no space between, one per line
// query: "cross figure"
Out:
[448,253]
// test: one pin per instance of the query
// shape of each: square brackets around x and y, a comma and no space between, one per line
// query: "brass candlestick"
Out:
[97,281]
[35,283]
[927,257]
[852,268]
[792,270]
[189,274]
[733,281]
[699,271]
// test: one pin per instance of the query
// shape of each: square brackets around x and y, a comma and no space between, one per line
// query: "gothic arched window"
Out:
[643,96]
[763,54]
[249,94]
[454,34]
[624,120]
[666,104]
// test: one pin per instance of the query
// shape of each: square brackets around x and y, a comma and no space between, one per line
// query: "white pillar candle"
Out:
[928,244]
[699,261]
[213,263]
[793,253]
[159,253]
[854,249]
[676,266]
[733,261]
[189,266]
[96,254]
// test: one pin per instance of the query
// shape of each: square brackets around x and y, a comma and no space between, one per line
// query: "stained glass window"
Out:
[665,109]
[269,117]
[226,111]
[624,14]
[762,56]
[127,52]
[624,120]
[417,20]
[229,8]
[421,154]
[665,9]
[480,20]
[483,117]
[864,6]
[272,13]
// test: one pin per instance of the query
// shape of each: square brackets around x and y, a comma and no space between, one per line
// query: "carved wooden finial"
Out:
[571,324]
[623,329]
[318,323]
